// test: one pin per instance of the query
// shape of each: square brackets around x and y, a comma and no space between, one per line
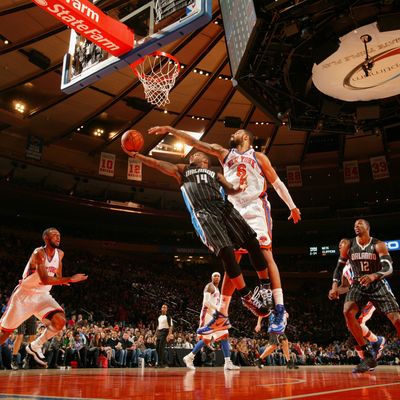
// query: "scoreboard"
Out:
[325,250]
[239,19]
[333,250]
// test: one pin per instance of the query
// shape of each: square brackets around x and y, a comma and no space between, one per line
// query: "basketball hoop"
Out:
[157,72]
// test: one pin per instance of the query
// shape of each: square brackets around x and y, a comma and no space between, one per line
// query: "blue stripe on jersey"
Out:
[222,191]
[195,221]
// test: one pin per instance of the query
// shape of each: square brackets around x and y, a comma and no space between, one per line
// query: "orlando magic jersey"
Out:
[200,187]
[364,259]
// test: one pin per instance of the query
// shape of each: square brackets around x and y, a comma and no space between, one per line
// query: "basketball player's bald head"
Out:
[242,137]
[361,226]
[200,159]
[52,237]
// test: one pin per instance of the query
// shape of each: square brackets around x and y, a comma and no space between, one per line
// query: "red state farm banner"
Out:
[293,175]
[379,167]
[134,172]
[107,164]
[351,173]
[89,21]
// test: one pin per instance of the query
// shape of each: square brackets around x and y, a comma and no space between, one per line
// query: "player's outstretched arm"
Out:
[165,167]
[38,262]
[213,149]
[280,188]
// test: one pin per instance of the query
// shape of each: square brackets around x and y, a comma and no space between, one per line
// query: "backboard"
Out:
[155,24]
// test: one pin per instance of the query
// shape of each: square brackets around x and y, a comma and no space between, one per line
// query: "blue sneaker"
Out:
[378,347]
[219,322]
[278,320]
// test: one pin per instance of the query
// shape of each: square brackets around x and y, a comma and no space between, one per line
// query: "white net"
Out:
[158,73]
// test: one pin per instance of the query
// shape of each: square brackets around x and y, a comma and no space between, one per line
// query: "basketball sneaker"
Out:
[378,347]
[291,365]
[258,362]
[14,363]
[279,320]
[255,305]
[266,295]
[230,366]
[219,322]
[188,360]
[36,353]
[368,363]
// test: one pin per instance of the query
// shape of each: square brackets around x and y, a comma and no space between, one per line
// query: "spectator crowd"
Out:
[112,316]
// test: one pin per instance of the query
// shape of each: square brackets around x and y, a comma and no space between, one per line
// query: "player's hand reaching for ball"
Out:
[130,153]
[295,215]
[159,130]
[78,278]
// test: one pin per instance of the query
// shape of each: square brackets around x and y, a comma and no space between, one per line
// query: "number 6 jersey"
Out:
[237,165]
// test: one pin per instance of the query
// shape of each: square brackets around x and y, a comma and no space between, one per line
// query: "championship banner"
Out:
[134,172]
[351,173]
[34,147]
[379,167]
[293,175]
[107,164]
[89,21]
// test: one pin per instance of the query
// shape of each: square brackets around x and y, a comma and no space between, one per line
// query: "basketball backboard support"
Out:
[155,24]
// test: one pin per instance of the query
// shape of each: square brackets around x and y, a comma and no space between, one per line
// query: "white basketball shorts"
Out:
[257,214]
[23,303]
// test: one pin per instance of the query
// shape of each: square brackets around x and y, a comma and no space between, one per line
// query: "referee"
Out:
[220,227]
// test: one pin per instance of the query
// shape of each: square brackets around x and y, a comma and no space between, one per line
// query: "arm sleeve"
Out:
[337,274]
[283,193]
[387,266]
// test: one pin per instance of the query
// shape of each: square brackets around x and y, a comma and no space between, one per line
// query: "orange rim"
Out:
[154,54]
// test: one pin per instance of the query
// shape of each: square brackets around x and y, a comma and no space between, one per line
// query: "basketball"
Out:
[132,140]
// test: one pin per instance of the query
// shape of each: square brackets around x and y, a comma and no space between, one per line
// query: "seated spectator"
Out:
[55,351]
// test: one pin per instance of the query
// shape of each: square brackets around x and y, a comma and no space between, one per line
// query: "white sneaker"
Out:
[229,365]
[36,353]
[188,360]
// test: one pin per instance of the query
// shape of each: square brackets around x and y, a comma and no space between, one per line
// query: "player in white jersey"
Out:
[211,299]
[239,163]
[377,342]
[32,294]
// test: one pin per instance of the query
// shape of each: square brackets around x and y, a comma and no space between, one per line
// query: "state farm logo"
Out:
[352,75]
[42,3]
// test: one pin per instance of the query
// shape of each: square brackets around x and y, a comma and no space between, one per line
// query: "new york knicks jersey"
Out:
[214,300]
[237,165]
[348,273]
[31,279]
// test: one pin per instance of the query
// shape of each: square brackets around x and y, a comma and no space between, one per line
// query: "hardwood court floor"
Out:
[324,383]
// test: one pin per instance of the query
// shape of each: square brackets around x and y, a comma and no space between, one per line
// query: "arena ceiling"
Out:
[295,123]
